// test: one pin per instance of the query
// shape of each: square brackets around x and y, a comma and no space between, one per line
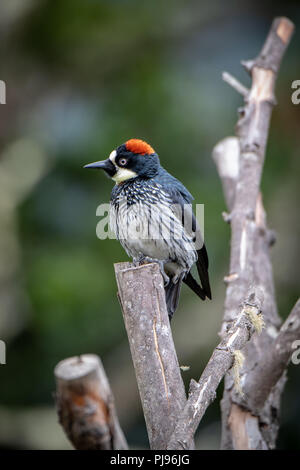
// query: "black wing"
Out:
[203,291]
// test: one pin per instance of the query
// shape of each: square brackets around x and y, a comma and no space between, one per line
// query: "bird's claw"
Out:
[178,277]
[165,277]
[146,259]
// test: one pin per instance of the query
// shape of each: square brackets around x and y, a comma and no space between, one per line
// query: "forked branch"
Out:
[250,243]
[203,392]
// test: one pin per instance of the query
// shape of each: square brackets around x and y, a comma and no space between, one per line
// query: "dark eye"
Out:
[122,161]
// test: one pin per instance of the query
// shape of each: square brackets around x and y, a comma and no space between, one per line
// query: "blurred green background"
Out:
[82,77]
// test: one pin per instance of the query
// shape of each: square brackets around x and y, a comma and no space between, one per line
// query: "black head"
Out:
[130,160]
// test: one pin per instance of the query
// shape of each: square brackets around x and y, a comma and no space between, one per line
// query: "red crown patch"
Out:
[139,146]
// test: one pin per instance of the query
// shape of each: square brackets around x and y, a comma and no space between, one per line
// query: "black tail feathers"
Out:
[203,291]
[193,284]
[202,267]
[172,296]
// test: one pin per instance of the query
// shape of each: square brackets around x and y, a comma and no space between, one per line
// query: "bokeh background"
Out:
[82,77]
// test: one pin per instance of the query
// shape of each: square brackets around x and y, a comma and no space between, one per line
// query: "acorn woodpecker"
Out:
[151,215]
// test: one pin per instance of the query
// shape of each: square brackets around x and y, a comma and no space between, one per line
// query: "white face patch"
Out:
[122,174]
[112,156]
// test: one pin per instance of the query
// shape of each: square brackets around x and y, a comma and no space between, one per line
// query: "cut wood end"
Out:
[76,367]
[123,266]
[226,156]
[285,29]
[127,266]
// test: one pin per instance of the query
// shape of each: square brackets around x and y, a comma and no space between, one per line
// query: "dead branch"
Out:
[252,130]
[226,155]
[250,242]
[203,392]
[267,373]
[85,404]
[161,388]
[234,83]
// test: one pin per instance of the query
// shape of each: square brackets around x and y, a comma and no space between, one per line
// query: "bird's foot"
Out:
[146,259]
[178,277]
[136,261]
[165,277]
[140,260]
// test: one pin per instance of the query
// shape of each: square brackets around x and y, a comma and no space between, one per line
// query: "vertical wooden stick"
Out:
[142,297]
[250,262]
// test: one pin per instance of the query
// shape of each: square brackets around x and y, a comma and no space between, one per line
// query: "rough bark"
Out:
[250,242]
[85,405]
[142,298]
[267,372]
[203,392]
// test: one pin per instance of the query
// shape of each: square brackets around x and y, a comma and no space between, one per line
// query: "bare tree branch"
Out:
[252,130]
[234,83]
[250,260]
[85,404]
[267,373]
[204,392]
[142,297]
[226,155]
[245,429]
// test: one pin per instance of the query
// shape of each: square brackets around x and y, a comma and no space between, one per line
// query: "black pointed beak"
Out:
[103,165]
[106,165]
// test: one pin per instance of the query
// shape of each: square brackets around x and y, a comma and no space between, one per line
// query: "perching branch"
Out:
[85,405]
[250,242]
[225,355]
[142,297]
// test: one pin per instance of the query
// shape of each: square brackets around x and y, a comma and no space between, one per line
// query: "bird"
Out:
[151,215]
